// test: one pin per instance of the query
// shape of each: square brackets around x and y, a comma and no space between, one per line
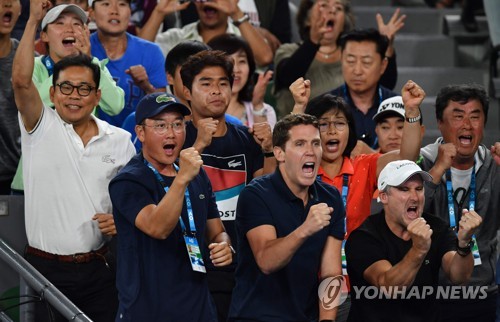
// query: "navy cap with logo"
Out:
[155,103]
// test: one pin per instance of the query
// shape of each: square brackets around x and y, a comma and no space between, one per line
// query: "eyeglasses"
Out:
[325,125]
[162,128]
[83,90]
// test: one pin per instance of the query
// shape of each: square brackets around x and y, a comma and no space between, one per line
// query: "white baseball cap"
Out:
[55,12]
[396,173]
[392,105]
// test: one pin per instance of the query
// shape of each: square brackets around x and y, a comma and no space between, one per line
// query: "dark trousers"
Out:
[221,286]
[90,286]
[469,310]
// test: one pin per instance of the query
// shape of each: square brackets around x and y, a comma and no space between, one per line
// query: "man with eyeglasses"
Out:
[64,32]
[165,215]
[69,158]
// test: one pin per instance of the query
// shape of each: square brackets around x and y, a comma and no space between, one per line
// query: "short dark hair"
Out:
[94,1]
[80,60]
[322,104]
[304,12]
[231,44]
[207,58]
[281,132]
[462,94]
[367,34]
[181,52]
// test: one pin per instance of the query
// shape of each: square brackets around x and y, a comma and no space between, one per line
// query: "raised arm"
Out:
[162,9]
[158,221]
[272,253]
[261,50]
[456,265]
[28,100]
[413,95]
[382,273]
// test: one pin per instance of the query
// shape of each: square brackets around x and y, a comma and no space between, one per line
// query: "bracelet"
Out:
[464,251]
[243,19]
[413,119]
[268,154]
[262,112]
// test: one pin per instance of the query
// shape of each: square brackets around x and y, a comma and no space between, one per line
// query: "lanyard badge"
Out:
[472,205]
[192,247]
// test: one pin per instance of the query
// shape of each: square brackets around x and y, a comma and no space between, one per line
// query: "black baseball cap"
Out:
[155,103]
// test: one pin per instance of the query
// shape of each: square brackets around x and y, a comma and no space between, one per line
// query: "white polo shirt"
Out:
[66,183]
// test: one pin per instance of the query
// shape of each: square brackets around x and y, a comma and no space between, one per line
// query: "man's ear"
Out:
[383,197]
[170,79]
[187,93]
[139,132]
[279,154]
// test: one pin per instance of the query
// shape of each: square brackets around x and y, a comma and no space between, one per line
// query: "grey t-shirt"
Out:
[10,135]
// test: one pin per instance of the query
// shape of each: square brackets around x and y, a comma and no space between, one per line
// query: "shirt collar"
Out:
[282,188]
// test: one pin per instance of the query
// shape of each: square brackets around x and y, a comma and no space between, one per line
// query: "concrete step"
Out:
[419,20]
[454,28]
[425,50]
[432,79]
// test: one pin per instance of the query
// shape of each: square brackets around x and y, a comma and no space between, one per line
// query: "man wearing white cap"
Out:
[401,250]
[389,122]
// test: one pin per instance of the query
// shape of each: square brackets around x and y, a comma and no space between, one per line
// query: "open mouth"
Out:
[209,10]
[73,107]
[169,149]
[332,145]
[465,139]
[412,212]
[68,41]
[308,167]
[330,24]
[114,22]
[7,17]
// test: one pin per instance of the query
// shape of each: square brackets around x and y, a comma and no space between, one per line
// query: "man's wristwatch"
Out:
[243,19]
[413,119]
[464,251]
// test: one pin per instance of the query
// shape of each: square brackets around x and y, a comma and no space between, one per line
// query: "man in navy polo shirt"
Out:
[164,210]
[290,228]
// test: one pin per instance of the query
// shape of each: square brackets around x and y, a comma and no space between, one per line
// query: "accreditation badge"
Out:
[475,252]
[194,254]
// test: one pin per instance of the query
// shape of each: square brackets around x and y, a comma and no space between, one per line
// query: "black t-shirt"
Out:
[374,241]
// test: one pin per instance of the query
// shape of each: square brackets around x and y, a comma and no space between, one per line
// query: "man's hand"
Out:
[229,7]
[140,78]
[420,233]
[412,95]
[106,223]
[206,130]
[301,91]
[190,163]
[263,135]
[166,7]
[220,254]
[446,153]
[393,25]
[467,226]
[318,218]
[495,152]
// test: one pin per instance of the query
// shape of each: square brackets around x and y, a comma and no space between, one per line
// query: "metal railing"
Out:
[36,281]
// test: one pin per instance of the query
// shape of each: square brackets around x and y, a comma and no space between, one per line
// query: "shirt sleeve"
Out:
[157,76]
[112,96]
[252,211]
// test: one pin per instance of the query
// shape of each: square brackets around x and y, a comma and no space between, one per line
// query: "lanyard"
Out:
[472,195]
[189,207]
[345,191]
[49,64]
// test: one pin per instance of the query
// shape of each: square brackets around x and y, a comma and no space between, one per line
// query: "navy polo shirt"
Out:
[155,280]
[365,125]
[290,294]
